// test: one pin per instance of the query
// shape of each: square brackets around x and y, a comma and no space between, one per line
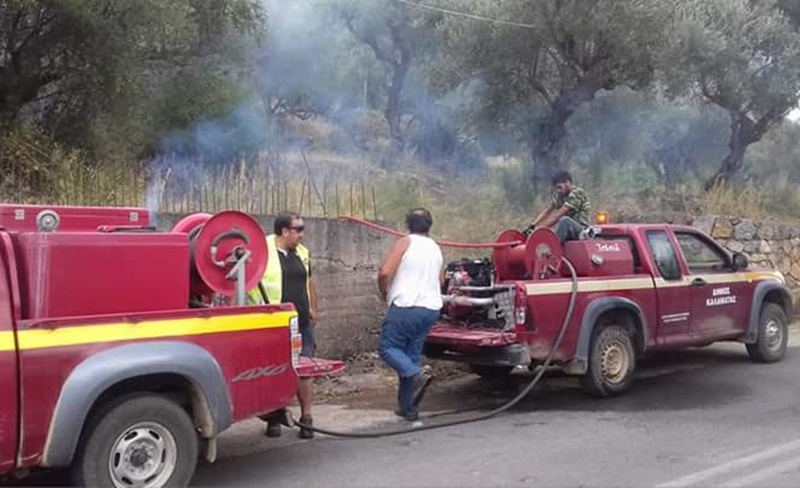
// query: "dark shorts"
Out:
[309,346]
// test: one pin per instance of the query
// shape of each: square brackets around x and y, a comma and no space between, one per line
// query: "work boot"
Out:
[306,433]
[273,428]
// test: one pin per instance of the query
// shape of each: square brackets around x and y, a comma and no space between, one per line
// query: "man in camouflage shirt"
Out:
[568,210]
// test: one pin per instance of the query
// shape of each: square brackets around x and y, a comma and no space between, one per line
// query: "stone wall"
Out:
[766,244]
[345,258]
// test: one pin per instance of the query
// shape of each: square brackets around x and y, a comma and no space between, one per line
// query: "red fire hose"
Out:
[462,245]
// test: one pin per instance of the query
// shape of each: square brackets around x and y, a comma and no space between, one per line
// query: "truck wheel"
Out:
[143,441]
[773,335]
[612,361]
[490,372]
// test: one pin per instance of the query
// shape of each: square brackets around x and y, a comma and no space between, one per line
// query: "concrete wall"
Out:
[345,258]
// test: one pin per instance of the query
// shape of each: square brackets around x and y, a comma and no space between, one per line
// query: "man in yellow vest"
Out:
[288,279]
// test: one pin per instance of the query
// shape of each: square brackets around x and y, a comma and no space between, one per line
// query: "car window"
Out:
[663,254]
[700,255]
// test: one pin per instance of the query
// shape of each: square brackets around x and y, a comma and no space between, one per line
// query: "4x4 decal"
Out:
[260,372]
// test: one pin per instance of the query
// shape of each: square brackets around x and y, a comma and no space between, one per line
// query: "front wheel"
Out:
[612,362]
[773,335]
[144,441]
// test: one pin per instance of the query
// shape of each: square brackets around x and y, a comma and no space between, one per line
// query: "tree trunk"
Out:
[743,134]
[547,143]
[392,112]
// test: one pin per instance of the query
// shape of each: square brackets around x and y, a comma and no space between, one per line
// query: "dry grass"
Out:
[746,202]
[465,208]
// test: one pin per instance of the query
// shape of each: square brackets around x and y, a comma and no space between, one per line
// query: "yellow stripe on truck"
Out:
[7,341]
[127,331]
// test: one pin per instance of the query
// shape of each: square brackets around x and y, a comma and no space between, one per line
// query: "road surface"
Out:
[704,417]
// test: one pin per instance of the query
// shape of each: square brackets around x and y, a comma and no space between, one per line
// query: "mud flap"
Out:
[317,367]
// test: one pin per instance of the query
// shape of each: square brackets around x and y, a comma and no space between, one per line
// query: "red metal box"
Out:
[599,257]
[66,274]
[22,218]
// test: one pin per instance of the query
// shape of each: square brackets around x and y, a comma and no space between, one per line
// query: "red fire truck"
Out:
[125,351]
[637,289]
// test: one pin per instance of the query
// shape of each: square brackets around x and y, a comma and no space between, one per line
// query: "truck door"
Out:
[674,313]
[719,297]
[8,373]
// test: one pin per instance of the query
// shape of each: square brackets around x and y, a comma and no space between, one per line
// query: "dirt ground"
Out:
[368,381]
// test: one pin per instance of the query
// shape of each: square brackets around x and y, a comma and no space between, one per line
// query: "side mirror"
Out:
[740,261]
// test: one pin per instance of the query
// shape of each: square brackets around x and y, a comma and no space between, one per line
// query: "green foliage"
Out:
[63,63]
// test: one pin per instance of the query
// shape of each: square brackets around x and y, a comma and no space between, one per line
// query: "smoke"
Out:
[310,63]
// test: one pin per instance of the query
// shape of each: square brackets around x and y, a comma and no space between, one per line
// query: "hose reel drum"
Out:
[537,256]
[228,253]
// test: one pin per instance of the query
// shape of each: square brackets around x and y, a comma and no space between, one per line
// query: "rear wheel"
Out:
[773,335]
[612,362]
[143,441]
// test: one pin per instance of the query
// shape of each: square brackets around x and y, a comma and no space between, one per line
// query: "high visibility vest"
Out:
[273,276]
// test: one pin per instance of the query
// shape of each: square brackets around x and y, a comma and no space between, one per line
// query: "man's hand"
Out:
[313,315]
[529,229]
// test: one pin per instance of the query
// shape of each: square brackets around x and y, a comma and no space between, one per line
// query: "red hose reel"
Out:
[228,252]
[538,257]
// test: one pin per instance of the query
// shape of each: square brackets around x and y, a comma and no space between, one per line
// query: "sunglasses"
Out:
[298,229]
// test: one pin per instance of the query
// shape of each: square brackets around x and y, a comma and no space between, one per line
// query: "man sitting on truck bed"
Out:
[568,209]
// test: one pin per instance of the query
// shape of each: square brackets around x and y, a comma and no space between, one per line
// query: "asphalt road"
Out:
[705,417]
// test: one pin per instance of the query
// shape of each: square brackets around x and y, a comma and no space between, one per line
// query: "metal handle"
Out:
[224,235]
[698,282]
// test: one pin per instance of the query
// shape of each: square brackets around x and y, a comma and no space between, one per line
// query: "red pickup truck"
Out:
[640,288]
[124,351]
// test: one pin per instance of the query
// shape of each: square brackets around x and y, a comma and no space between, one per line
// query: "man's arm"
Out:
[543,214]
[312,298]
[390,265]
[553,217]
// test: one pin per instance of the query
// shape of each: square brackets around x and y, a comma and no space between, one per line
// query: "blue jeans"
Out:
[402,337]
[568,229]
[403,334]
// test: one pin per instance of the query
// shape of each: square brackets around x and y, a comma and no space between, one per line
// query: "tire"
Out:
[773,335]
[137,428]
[491,372]
[612,362]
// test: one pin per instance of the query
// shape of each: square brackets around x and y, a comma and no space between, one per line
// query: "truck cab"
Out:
[125,352]
[637,289]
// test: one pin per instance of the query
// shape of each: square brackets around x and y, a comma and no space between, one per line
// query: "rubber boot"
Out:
[409,411]
[400,411]
[420,383]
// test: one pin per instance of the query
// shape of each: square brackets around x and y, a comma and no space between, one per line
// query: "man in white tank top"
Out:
[410,281]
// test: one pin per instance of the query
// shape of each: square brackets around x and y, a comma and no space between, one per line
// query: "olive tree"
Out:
[743,56]
[553,56]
